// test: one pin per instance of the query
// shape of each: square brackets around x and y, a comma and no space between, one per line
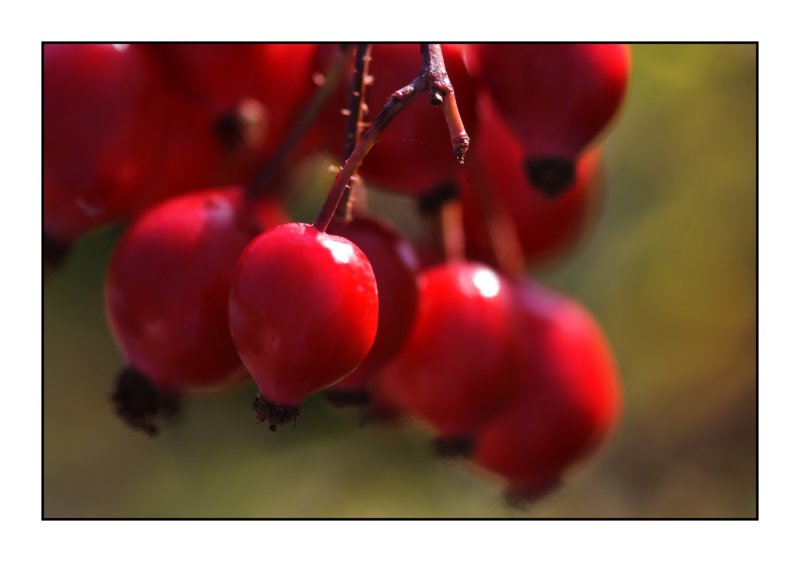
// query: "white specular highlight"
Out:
[487,283]
[342,252]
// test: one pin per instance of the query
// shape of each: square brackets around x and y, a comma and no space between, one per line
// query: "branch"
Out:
[433,78]
[357,98]
[355,124]
[442,93]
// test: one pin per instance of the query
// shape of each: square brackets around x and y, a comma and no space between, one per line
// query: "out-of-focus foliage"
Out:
[670,274]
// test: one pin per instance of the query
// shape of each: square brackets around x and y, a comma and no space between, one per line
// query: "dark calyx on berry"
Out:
[453,447]
[275,414]
[523,499]
[138,402]
[432,201]
[243,127]
[372,416]
[550,176]
[347,398]
[53,254]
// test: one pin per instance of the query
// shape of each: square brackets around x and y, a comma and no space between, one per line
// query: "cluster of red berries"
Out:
[211,283]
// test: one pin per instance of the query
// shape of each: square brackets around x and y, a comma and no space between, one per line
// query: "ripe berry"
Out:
[414,154]
[100,115]
[547,228]
[555,97]
[186,156]
[303,313]
[395,266]
[167,295]
[117,140]
[567,400]
[247,93]
[457,368]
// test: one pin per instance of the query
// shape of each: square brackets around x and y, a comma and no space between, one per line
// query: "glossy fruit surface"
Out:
[101,110]
[414,154]
[168,283]
[567,401]
[556,98]
[395,266]
[303,311]
[457,368]
[548,228]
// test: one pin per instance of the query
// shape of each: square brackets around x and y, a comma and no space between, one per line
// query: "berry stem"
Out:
[355,124]
[357,108]
[503,238]
[432,78]
[398,101]
[442,93]
[275,163]
[452,230]
[441,208]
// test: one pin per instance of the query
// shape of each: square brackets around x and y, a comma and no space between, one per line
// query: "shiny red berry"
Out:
[555,97]
[395,265]
[547,228]
[167,295]
[414,154]
[567,400]
[458,367]
[303,313]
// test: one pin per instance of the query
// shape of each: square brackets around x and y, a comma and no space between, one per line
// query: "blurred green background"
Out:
[670,274]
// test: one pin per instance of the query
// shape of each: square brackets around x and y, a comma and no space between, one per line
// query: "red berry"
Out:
[186,156]
[101,112]
[395,265]
[555,97]
[167,292]
[248,93]
[568,397]
[547,227]
[303,314]
[457,368]
[414,154]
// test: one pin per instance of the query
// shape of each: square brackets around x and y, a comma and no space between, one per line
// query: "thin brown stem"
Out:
[452,230]
[433,78]
[355,123]
[398,101]
[442,93]
[357,107]
[275,164]
[503,237]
